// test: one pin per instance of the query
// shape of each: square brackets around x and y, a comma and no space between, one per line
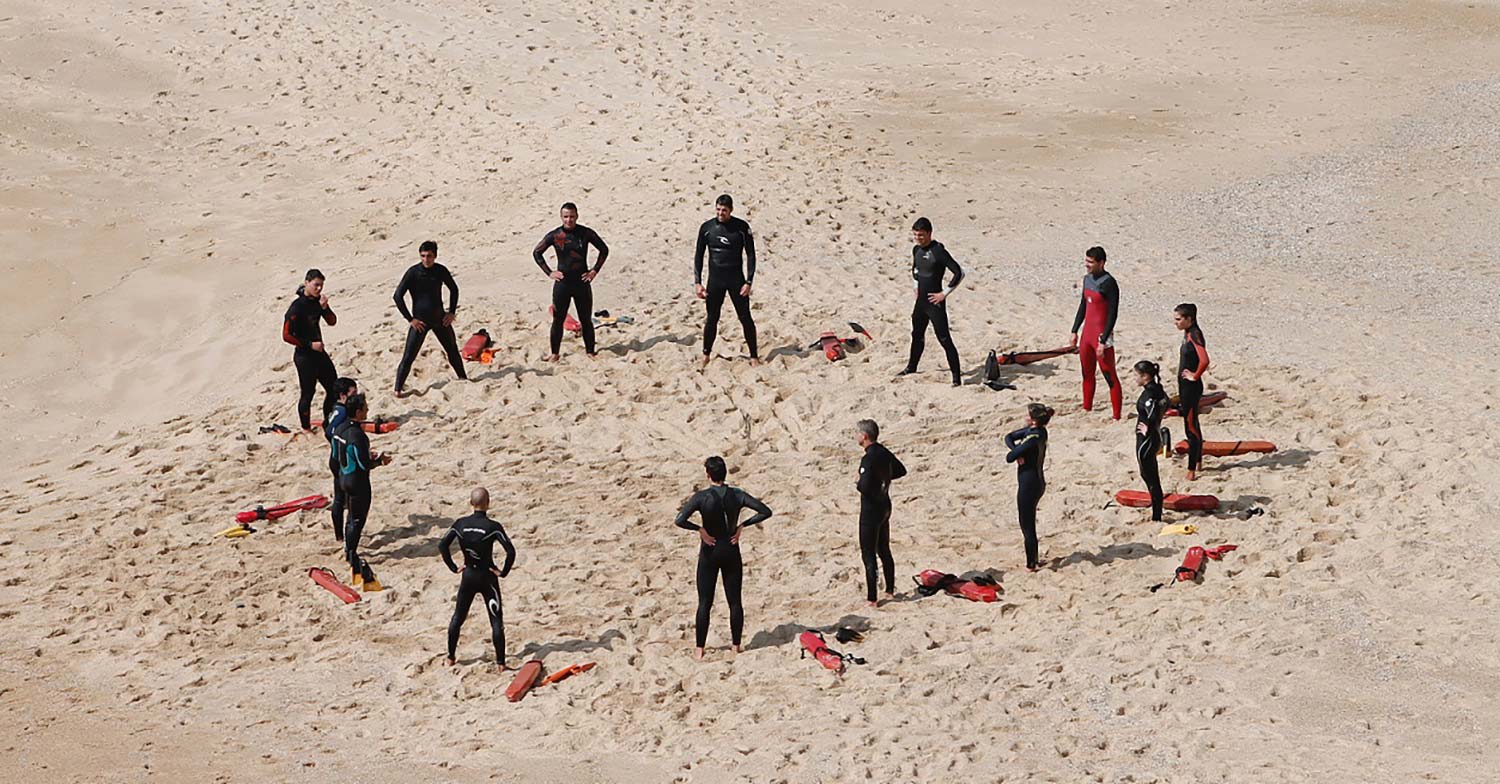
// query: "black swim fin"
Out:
[845,634]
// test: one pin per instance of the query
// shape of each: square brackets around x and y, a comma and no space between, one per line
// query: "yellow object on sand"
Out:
[1182,529]
[235,532]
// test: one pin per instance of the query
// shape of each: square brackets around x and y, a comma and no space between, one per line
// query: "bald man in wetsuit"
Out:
[477,536]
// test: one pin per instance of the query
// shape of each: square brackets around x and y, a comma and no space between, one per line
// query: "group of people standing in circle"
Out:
[727,244]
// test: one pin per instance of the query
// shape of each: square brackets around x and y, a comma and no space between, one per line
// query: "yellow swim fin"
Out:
[1181,529]
[235,532]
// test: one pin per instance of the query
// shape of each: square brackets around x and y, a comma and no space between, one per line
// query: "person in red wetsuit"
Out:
[1097,309]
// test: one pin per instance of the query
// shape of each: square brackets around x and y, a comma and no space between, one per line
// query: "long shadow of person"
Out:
[604,641]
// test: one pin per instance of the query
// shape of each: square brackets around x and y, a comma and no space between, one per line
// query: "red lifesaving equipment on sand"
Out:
[813,643]
[370,426]
[1177,502]
[1192,563]
[569,323]
[524,680]
[1227,448]
[476,345]
[1204,403]
[1028,357]
[833,348]
[931,581]
[326,579]
[282,510]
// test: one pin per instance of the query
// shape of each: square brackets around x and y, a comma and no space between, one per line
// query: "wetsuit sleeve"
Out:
[687,511]
[400,297]
[536,253]
[749,259]
[288,329]
[362,449]
[1025,447]
[698,256]
[598,242]
[445,546]
[762,512]
[897,469]
[866,475]
[952,266]
[1202,356]
[510,550]
[1111,292]
[1083,303]
[330,317]
[452,290]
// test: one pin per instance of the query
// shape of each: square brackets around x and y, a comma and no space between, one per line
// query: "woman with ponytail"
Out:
[1149,408]
[1028,450]
[1193,364]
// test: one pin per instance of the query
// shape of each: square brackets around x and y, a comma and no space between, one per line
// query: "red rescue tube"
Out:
[1192,564]
[281,510]
[1028,357]
[326,579]
[833,348]
[1227,448]
[1204,403]
[476,345]
[934,581]
[1177,502]
[813,643]
[524,680]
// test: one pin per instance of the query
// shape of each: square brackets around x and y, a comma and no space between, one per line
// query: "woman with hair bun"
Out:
[1149,408]
[1028,450]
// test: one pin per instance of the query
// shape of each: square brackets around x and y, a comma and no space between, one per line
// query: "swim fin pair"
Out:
[846,634]
[992,373]
[364,579]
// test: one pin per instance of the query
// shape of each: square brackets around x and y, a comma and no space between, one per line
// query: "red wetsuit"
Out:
[1097,309]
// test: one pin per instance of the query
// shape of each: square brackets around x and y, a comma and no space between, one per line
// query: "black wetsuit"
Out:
[876,470]
[1193,356]
[727,244]
[1149,409]
[1029,443]
[352,446]
[336,509]
[927,267]
[426,287]
[719,508]
[476,536]
[301,327]
[572,261]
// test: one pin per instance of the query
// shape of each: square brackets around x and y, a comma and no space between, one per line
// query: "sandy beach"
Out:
[1317,177]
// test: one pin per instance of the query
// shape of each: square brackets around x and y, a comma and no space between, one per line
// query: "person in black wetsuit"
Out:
[425,281]
[718,508]
[356,461]
[876,470]
[1192,364]
[1149,409]
[929,261]
[728,240]
[477,535]
[344,387]
[1028,450]
[573,279]
[301,328]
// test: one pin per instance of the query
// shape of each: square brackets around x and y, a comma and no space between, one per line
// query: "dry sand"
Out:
[1318,177]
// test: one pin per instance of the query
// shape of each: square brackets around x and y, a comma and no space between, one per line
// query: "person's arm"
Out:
[536,253]
[952,266]
[1022,448]
[1111,292]
[329,316]
[762,512]
[1083,303]
[687,511]
[510,550]
[866,483]
[289,329]
[749,259]
[401,289]
[362,448]
[452,286]
[445,545]
[1202,356]
[897,470]
[698,256]
[598,242]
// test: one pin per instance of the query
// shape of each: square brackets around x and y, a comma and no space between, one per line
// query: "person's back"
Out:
[477,535]
[876,472]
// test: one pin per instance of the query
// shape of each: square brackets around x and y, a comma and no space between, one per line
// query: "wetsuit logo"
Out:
[723,240]
[493,606]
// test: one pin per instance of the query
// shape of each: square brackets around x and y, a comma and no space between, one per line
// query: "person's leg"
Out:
[733,569]
[869,545]
[583,298]
[336,509]
[559,315]
[490,589]
[883,550]
[715,303]
[1086,357]
[1116,392]
[708,574]
[467,587]
[1026,501]
[1145,457]
[359,510]
[1188,395]
[918,336]
[414,339]
[938,314]
[449,340]
[747,322]
[307,383]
